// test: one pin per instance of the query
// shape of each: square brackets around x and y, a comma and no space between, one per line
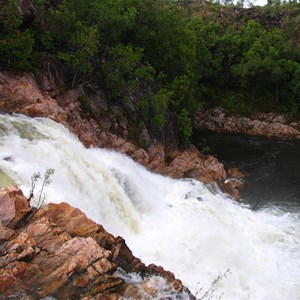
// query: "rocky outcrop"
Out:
[57,251]
[20,93]
[269,125]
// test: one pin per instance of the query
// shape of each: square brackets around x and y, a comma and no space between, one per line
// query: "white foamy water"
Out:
[178,224]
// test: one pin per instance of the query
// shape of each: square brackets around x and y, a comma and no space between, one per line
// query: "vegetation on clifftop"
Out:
[157,58]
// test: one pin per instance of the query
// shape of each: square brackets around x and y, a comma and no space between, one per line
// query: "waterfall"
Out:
[190,230]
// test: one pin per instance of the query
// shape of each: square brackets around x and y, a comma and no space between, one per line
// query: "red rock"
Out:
[5,233]
[269,125]
[61,253]
[13,206]
[17,91]
[234,173]
[45,107]
[66,110]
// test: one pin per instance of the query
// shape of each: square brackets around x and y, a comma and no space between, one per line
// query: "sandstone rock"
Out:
[192,163]
[17,91]
[233,187]
[70,96]
[45,107]
[234,172]
[61,253]
[13,206]
[24,96]
[269,125]
[5,233]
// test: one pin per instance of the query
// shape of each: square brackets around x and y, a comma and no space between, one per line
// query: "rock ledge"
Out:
[58,252]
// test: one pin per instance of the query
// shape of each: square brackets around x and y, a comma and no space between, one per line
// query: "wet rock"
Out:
[60,253]
[234,173]
[233,187]
[192,163]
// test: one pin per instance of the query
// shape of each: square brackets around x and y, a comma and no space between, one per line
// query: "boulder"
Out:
[17,91]
[194,164]
[13,206]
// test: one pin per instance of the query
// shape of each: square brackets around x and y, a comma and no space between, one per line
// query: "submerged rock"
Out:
[58,252]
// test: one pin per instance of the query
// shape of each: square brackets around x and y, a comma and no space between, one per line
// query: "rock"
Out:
[17,91]
[24,96]
[26,9]
[235,173]
[192,163]
[45,107]
[5,233]
[233,187]
[70,96]
[13,206]
[61,253]
[269,125]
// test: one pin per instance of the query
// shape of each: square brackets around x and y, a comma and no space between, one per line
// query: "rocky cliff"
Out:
[269,125]
[57,251]
[20,93]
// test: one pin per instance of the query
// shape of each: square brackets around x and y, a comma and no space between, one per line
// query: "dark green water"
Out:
[271,168]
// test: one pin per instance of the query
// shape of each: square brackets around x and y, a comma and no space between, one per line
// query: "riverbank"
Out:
[269,125]
[20,93]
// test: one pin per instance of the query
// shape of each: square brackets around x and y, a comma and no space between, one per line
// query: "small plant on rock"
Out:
[210,293]
[46,181]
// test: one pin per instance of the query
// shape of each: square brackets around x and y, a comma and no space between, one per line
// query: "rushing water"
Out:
[178,224]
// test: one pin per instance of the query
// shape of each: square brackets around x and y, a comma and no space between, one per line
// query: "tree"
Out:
[15,44]
[185,127]
[77,44]
[124,71]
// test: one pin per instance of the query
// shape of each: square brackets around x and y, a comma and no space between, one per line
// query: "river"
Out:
[189,229]
[271,167]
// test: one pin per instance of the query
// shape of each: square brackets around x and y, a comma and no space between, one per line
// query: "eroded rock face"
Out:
[263,124]
[57,251]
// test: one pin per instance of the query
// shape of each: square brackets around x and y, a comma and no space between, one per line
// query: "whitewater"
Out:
[192,230]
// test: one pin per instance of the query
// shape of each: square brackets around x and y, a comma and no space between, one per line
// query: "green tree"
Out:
[124,71]
[15,44]
[77,44]
[185,127]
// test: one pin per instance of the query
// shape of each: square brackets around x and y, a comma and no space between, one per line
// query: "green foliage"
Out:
[161,62]
[185,127]
[77,44]
[124,70]
[15,44]
[159,106]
